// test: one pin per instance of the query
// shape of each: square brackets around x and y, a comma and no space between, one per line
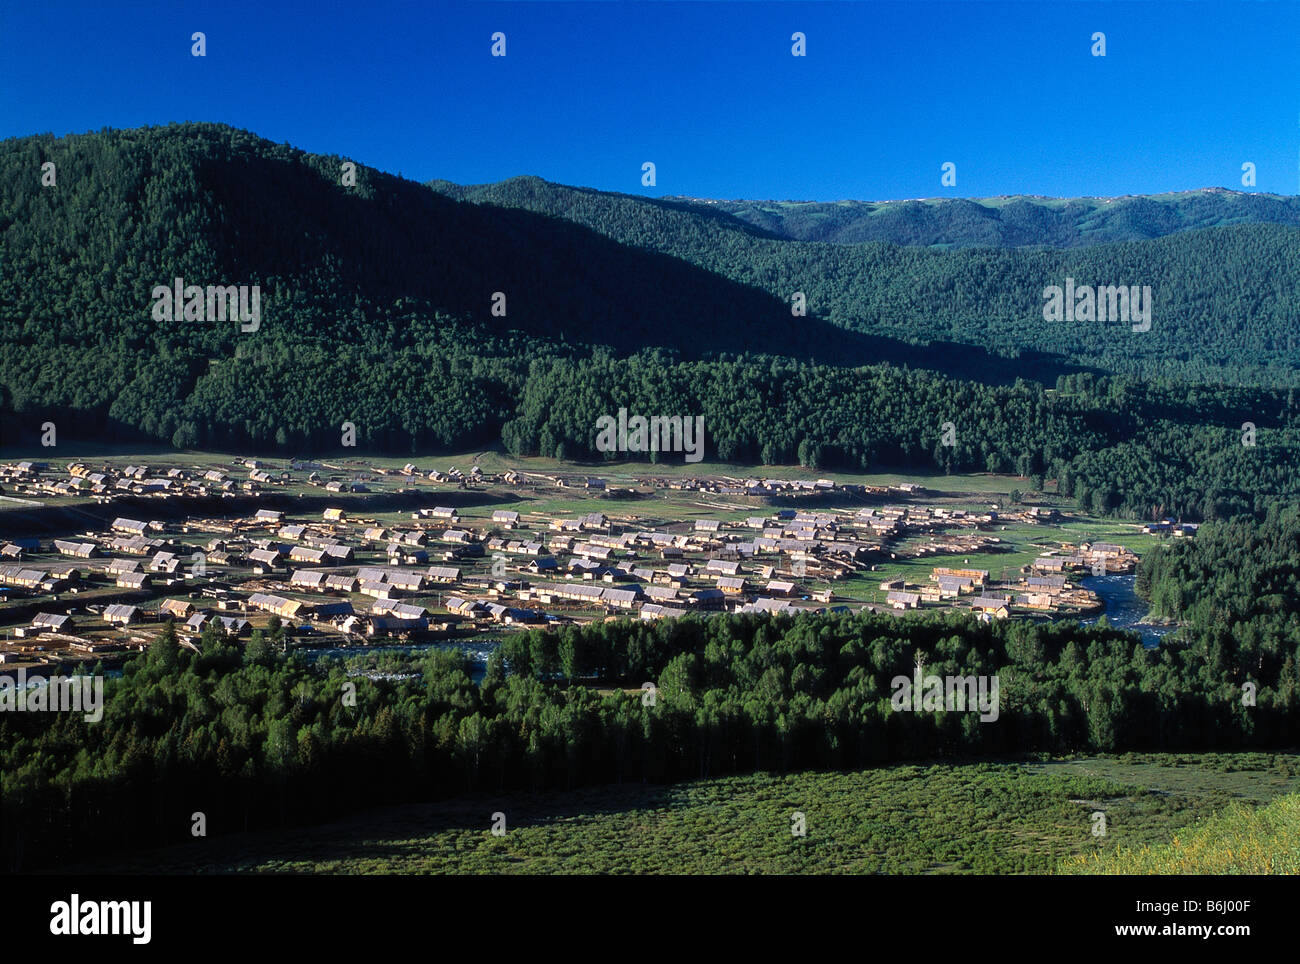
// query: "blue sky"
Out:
[707,91]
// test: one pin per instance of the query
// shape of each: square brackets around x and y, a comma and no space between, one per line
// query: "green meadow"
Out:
[988,818]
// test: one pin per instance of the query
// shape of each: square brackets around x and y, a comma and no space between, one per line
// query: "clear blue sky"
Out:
[707,91]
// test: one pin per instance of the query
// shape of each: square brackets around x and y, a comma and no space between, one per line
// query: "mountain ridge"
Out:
[1001,221]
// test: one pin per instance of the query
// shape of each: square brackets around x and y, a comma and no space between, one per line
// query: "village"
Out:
[353,554]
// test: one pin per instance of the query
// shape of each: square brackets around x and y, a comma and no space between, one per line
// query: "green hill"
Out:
[364,288]
[133,209]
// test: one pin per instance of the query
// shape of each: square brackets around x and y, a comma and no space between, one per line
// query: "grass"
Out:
[1240,840]
[994,818]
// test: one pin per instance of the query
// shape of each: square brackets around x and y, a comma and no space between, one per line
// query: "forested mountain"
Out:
[1224,307]
[377,309]
[363,287]
[337,264]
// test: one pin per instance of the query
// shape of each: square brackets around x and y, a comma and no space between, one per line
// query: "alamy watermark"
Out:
[658,433]
[53,694]
[76,917]
[182,302]
[1101,303]
[919,693]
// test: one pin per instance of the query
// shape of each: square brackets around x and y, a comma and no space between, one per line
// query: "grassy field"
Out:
[917,819]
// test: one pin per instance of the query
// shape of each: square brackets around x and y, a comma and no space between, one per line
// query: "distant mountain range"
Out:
[1001,222]
[1013,222]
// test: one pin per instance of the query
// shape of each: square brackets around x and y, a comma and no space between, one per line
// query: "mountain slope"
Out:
[1225,308]
[134,209]
[378,296]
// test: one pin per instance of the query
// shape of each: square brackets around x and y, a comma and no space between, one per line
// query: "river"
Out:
[1124,608]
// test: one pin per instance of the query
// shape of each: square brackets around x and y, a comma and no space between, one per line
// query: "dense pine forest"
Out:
[1238,584]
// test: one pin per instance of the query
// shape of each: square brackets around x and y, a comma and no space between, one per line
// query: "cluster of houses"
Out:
[1171,527]
[1096,558]
[590,565]
[245,476]
[1044,586]
[969,587]
[106,482]
[435,573]
[783,488]
[757,488]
